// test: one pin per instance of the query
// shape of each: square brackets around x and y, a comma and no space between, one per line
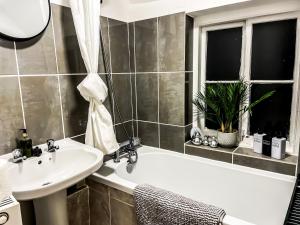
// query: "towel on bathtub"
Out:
[155,206]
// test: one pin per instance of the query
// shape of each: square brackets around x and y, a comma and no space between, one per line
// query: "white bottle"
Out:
[258,142]
[278,148]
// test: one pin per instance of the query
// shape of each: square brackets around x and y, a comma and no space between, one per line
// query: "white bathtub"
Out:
[249,196]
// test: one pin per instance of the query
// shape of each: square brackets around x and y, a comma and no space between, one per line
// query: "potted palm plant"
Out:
[224,104]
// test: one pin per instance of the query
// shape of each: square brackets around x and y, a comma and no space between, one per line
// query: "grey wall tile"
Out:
[122,214]
[104,54]
[8,63]
[146,45]
[122,196]
[171,98]
[171,46]
[78,207]
[188,98]
[118,34]
[67,47]
[189,35]
[99,187]
[110,206]
[148,132]
[120,132]
[80,139]
[135,128]
[250,152]
[99,208]
[263,164]
[99,203]
[147,98]
[187,132]
[37,56]
[123,96]
[10,113]
[207,152]
[75,107]
[131,47]
[42,108]
[172,138]
[134,96]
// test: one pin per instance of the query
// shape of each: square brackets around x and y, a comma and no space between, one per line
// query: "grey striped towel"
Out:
[155,206]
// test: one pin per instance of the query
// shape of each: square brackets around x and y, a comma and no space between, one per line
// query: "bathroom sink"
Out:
[44,179]
[37,177]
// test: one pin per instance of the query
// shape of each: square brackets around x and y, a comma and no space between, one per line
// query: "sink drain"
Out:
[45,184]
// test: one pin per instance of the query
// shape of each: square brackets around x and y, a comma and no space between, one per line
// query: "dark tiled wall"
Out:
[161,51]
[38,80]
[151,66]
[109,206]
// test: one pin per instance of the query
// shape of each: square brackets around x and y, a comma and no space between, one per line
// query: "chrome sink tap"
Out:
[51,146]
[17,156]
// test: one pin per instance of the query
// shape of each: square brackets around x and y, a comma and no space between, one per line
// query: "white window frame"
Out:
[247,25]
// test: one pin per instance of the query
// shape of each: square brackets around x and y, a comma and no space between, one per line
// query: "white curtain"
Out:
[99,133]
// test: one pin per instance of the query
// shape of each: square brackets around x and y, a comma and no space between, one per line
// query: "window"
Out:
[224,49]
[263,52]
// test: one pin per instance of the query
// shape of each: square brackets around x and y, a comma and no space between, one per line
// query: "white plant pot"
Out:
[210,132]
[227,140]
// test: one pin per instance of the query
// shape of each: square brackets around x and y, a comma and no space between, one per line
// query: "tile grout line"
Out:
[44,75]
[79,135]
[110,66]
[136,103]
[117,124]
[184,43]
[131,90]
[166,124]
[80,74]
[157,58]
[120,201]
[58,80]
[61,107]
[20,85]
[109,203]
[89,203]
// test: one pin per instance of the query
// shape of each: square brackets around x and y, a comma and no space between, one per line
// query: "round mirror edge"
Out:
[16,39]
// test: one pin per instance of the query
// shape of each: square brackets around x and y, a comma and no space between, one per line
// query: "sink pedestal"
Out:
[52,209]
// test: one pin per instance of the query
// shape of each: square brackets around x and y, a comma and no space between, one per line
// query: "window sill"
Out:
[244,157]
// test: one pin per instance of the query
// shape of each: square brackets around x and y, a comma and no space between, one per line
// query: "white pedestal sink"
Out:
[44,179]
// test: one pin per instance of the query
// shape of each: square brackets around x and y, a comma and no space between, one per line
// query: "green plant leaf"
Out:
[224,104]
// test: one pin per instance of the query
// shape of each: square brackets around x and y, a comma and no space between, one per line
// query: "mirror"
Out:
[23,19]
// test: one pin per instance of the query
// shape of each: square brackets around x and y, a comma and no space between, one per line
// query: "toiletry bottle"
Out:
[25,144]
[278,147]
[258,142]
[266,150]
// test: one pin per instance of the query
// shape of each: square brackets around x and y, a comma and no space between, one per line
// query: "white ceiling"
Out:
[134,10]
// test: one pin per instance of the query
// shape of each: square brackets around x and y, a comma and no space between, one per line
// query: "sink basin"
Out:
[44,179]
[37,177]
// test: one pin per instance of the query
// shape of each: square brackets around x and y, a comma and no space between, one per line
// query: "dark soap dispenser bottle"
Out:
[267,142]
[25,143]
[267,145]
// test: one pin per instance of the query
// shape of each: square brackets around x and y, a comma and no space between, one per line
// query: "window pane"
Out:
[223,59]
[273,114]
[273,50]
